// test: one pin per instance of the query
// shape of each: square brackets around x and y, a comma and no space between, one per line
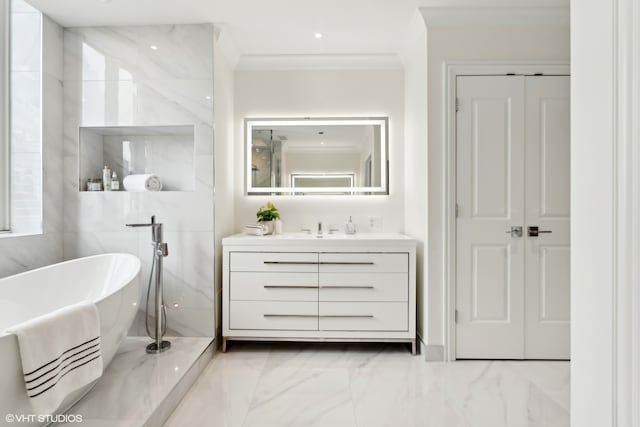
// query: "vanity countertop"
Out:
[304,239]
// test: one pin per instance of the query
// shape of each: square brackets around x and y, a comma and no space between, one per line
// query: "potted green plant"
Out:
[267,215]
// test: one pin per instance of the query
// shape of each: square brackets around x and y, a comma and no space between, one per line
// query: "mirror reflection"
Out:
[317,156]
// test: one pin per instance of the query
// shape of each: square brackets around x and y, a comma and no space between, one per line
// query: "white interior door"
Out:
[512,290]
[547,279]
[490,200]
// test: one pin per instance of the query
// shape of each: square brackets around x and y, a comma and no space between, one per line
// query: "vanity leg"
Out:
[224,345]
[413,347]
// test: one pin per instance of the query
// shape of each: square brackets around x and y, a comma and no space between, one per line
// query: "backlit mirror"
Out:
[345,156]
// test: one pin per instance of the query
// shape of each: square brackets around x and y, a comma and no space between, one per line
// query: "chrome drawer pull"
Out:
[290,315]
[346,263]
[290,287]
[291,262]
[345,287]
[367,316]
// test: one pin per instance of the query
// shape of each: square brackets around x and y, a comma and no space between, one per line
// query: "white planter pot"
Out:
[269,225]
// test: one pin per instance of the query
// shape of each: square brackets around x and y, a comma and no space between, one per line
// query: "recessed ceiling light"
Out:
[318,35]
[321,142]
[207,97]
[153,47]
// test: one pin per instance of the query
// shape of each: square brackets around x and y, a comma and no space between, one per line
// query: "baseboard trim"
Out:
[434,353]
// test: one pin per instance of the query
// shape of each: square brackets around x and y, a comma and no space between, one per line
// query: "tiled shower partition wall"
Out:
[145,76]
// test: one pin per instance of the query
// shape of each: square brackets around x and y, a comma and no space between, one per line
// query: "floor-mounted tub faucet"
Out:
[160,250]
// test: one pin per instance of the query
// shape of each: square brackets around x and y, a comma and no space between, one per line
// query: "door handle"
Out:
[516,231]
[534,231]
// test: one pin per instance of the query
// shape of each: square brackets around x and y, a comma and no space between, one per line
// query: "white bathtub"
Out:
[111,281]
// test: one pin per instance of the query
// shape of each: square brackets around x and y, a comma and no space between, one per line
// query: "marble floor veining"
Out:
[138,389]
[370,385]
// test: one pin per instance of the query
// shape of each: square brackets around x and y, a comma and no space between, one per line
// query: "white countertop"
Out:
[325,239]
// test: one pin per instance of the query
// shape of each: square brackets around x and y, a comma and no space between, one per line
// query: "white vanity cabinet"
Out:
[296,287]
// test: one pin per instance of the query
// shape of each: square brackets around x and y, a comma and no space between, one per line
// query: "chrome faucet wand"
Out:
[160,250]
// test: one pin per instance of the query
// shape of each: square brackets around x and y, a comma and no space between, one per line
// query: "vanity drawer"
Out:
[364,262]
[273,286]
[274,315]
[274,261]
[363,316]
[364,287]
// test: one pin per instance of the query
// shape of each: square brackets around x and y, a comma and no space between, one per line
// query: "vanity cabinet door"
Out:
[273,286]
[363,316]
[274,261]
[364,287]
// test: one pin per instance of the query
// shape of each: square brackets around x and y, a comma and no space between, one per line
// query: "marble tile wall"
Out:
[36,238]
[169,157]
[145,76]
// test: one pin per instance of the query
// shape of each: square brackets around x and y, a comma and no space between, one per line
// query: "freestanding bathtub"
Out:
[111,281]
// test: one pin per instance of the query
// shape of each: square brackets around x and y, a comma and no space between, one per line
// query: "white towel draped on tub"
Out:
[60,353]
[142,182]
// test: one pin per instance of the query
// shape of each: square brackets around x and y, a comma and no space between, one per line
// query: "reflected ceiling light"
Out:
[318,35]
[207,97]
[321,142]
[153,47]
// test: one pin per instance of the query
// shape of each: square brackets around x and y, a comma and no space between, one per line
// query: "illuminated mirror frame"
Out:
[383,189]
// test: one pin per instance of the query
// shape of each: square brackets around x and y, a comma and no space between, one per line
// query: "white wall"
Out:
[592,206]
[416,198]
[468,44]
[223,106]
[328,93]
[605,201]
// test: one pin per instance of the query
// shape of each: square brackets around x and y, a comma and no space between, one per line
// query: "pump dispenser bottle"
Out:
[115,184]
[350,227]
[106,178]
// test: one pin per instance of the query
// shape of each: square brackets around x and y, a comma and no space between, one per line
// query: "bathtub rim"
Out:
[128,279]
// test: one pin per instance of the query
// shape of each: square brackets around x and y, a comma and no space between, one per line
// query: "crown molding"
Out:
[495,16]
[226,44]
[319,62]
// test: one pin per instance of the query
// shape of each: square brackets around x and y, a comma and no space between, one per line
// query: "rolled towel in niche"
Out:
[142,182]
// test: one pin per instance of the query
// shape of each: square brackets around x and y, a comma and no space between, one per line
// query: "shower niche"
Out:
[165,151]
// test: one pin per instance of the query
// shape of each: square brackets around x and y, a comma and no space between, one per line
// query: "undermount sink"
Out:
[303,235]
[336,236]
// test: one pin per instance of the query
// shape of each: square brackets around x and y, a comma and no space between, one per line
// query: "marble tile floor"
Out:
[369,385]
[138,389]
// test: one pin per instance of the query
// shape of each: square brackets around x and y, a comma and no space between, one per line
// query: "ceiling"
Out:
[272,27]
[258,27]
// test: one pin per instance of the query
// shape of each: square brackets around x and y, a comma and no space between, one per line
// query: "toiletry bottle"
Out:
[106,178]
[115,184]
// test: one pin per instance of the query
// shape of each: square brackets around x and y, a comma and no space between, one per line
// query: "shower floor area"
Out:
[139,389]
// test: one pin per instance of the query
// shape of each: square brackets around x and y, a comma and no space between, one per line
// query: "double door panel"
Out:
[512,293]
